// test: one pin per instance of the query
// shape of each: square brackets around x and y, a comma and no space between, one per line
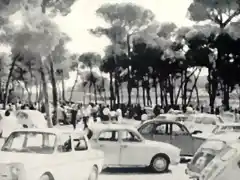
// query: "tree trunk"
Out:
[171,89]
[15,58]
[179,89]
[226,97]
[213,85]
[122,96]
[143,95]
[37,90]
[197,96]
[1,92]
[156,93]
[73,87]
[184,97]
[29,93]
[117,91]
[95,93]
[90,92]
[45,94]
[54,89]
[161,93]
[111,90]
[84,96]
[194,86]
[63,88]
[137,95]
[149,100]
[129,81]
[129,90]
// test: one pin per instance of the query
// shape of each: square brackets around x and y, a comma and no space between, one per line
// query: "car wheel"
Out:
[44,177]
[160,163]
[94,174]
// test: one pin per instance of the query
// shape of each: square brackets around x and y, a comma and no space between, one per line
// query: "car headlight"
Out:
[15,171]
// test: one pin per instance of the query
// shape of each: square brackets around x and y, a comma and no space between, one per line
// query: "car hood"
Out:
[203,135]
[24,158]
[163,145]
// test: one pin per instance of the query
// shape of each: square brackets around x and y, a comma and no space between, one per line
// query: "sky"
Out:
[83,17]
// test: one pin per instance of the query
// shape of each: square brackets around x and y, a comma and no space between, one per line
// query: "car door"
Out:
[181,138]
[64,167]
[146,130]
[133,149]
[83,157]
[108,142]
[161,132]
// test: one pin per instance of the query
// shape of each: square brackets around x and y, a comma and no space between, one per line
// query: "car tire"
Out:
[44,177]
[93,174]
[160,163]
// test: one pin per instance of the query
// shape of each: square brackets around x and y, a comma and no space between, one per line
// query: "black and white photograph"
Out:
[119,89]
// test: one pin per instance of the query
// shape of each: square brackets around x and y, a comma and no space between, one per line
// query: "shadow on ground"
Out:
[122,171]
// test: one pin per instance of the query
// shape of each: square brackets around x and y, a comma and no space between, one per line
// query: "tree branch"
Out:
[236,13]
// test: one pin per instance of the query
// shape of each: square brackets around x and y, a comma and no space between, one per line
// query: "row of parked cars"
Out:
[157,144]
[213,141]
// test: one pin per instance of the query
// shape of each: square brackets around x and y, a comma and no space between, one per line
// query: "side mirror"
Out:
[196,132]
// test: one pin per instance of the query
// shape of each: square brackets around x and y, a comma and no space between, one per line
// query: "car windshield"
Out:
[227,128]
[206,153]
[30,142]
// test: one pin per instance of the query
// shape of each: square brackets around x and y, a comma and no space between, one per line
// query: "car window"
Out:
[30,142]
[65,143]
[35,140]
[146,128]
[108,136]
[80,144]
[129,136]
[162,129]
[179,130]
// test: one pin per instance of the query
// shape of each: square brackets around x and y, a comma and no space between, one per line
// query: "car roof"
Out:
[161,120]
[226,137]
[205,115]
[229,124]
[50,130]
[116,127]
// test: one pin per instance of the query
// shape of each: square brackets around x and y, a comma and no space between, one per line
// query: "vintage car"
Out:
[123,146]
[220,129]
[217,159]
[228,117]
[203,122]
[47,154]
[171,132]
[173,117]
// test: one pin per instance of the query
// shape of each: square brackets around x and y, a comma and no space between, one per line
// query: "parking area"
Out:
[177,172]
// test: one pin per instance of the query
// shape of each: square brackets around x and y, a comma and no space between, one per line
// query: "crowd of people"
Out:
[72,113]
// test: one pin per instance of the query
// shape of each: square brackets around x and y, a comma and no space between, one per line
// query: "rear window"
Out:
[206,153]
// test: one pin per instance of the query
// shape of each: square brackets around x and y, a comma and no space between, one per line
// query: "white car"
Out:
[124,146]
[47,154]
[203,122]
[220,129]
[207,163]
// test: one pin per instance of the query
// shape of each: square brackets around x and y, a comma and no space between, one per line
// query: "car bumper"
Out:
[192,175]
[176,160]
